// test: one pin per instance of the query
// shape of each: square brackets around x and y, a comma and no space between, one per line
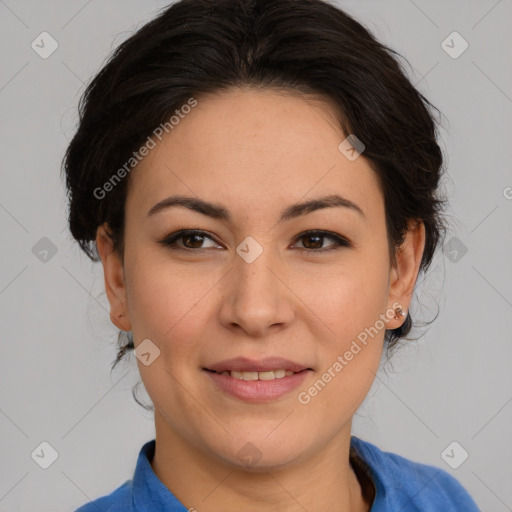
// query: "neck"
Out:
[324,481]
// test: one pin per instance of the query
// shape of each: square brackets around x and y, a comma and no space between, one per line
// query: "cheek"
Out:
[165,307]
[349,352]
[346,298]
[168,306]
[163,297]
[351,307]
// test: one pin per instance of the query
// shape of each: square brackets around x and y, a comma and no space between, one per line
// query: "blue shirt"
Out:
[400,485]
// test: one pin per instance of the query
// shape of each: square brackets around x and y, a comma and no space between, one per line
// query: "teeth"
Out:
[266,376]
[270,375]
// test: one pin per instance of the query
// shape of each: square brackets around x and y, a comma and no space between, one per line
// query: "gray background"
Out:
[453,384]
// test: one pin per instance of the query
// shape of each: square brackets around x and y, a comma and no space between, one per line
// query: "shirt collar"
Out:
[148,491]
[370,455]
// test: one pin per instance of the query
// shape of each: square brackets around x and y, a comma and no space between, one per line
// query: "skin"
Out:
[256,152]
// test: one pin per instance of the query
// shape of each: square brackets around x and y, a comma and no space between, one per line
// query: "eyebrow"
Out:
[219,212]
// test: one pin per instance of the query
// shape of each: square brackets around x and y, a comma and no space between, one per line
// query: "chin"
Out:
[259,452]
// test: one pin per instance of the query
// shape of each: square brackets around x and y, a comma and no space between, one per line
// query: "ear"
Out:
[404,272]
[114,279]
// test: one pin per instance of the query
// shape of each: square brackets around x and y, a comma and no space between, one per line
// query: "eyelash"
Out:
[170,241]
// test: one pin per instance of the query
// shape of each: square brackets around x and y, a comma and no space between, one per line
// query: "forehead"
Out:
[259,147]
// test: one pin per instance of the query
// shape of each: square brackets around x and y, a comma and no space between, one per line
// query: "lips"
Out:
[257,381]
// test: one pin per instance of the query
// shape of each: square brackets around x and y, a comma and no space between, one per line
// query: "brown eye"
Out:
[313,241]
[191,239]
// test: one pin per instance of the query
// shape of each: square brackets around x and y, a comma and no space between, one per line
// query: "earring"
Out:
[399,311]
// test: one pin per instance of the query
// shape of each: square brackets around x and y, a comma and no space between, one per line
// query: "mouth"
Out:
[264,375]
[261,380]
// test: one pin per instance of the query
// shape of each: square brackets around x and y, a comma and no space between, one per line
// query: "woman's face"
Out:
[251,285]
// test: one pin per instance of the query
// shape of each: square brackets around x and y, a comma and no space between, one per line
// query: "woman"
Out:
[260,182]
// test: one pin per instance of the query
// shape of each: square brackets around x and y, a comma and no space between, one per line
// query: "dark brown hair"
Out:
[309,47]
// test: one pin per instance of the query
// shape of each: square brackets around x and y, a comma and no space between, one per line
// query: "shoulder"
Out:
[401,482]
[117,501]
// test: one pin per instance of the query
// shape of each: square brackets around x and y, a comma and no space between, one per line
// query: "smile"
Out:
[265,375]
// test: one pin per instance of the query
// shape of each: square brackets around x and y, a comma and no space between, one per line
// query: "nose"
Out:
[257,296]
